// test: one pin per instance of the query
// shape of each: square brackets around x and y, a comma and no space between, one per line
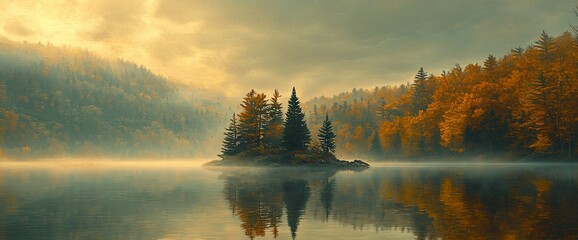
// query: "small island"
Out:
[259,136]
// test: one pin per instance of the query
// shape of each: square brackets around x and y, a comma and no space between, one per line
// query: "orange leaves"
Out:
[389,135]
[252,120]
[542,143]
[455,121]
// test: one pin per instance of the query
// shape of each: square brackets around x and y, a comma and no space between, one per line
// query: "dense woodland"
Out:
[57,100]
[523,104]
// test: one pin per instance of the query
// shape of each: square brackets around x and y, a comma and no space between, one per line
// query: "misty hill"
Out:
[522,105]
[56,100]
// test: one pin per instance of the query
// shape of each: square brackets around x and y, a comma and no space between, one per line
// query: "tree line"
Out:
[260,129]
[522,105]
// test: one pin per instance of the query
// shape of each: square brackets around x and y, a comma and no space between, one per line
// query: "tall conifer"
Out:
[274,129]
[421,92]
[231,141]
[296,134]
[327,137]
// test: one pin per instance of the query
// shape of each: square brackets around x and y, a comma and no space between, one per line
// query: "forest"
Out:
[62,101]
[521,106]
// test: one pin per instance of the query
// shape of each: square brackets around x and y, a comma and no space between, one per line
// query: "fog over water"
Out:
[154,199]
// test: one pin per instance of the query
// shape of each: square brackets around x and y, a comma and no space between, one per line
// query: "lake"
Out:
[388,201]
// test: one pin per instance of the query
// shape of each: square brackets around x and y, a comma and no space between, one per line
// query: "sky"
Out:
[320,47]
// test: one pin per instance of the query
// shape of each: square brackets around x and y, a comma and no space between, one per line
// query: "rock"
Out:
[359,163]
[213,163]
[286,159]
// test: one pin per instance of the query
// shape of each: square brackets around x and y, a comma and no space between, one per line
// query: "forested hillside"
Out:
[523,104]
[56,100]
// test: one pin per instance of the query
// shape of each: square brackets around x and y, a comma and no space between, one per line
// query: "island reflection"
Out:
[259,197]
[431,203]
[467,202]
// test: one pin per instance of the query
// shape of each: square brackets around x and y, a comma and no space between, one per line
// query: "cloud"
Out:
[321,47]
[117,19]
[16,27]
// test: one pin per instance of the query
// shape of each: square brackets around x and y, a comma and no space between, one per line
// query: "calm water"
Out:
[384,202]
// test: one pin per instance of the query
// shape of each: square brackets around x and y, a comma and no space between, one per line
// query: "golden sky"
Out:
[321,47]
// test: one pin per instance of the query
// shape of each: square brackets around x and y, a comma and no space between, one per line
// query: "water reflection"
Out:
[489,204]
[117,204]
[431,203]
[258,196]
[494,202]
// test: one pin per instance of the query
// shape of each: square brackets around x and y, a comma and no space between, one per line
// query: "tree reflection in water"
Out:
[431,203]
[493,202]
[258,197]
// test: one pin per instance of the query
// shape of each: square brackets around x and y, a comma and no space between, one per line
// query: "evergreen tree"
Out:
[421,93]
[315,115]
[252,122]
[575,27]
[274,129]
[517,51]
[375,146]
[546,46]
[490,63]
[231,141]
[327,137]
[296,135]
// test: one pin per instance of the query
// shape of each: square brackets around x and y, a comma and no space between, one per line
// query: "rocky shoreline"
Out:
[289,160]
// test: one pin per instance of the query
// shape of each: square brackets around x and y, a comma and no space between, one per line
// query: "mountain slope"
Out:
[56,100]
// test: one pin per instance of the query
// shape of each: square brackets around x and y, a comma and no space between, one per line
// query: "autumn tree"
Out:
[455,123]
[252,122]
[231,140]
[551,100]
[327,137]
[541,99]
[274,128]
[296,135]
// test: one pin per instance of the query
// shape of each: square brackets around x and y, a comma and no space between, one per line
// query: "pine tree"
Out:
[315,117]
[274,129]
[490,63]
[518,51]
[231,141]
[327,137]
[421,93]
[296,135]
[375,145]
[575,27]
[546,47]
[544,97]
[252,122]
